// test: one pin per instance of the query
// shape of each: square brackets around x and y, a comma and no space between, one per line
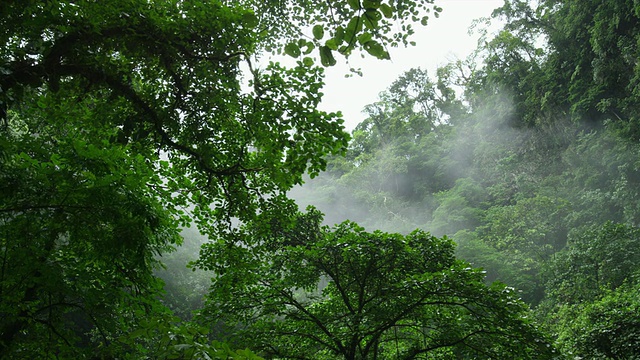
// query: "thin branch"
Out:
[315,320]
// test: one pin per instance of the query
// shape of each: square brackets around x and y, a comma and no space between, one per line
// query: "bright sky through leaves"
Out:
[443,39]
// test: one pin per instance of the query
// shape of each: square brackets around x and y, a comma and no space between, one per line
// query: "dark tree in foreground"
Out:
[302,291]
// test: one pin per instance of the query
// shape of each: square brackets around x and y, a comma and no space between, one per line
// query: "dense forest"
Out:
[165,195]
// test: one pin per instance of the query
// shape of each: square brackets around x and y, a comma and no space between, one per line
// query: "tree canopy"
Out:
[123,120]
[527,157]
[123,123]
[302,291]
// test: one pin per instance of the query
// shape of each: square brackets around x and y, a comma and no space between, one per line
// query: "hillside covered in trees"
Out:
[149,167]
[527,156]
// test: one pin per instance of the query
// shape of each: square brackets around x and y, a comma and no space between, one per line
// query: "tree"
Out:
[78,225]
[458,208]
[586,71]
[608,328]
[410,109]
[592,286]
[303,291]
[123,120]
[598,258]
[499,265]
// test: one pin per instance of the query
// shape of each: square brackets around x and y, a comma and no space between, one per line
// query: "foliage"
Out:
[332,29]
[122,121]
[409,110]
[458,207]
[605,169]
[79,225]
[607,328]
[185,287]
[305,291]
[163,337]
[529,233]
[528,157]
[602,257]
[498,265]
[588,70]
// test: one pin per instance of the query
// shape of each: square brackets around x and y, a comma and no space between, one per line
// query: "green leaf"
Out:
[250,20]
[331,44]
[318,32]
[353,28]
[345,50]
[308,47]
[292,50]
[355,4]
[375,49]
[326,56]
[372,17]
[425,20]
[56,159]
[307,61]
[387,10]
[364,38]
[339,35]
[370,4]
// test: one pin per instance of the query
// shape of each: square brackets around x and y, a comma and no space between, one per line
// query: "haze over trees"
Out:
[126,122]
[526,155]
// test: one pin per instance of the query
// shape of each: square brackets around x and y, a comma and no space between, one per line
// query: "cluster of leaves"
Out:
[368,25]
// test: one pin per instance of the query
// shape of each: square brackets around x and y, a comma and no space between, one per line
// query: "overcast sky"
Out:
[442,40]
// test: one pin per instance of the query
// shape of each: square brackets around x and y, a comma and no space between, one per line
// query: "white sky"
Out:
[442,40]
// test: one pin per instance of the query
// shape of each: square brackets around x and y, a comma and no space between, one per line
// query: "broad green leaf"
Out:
[308,47]
[364,38]
[345,49]
[326,56]
[370,4]
[353,28]
[354,4]
[318,32]
[250,19]
[339,35]
[371,18]
[307,61]
[375,49]
[292,50]
[387,10]
[331,44]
